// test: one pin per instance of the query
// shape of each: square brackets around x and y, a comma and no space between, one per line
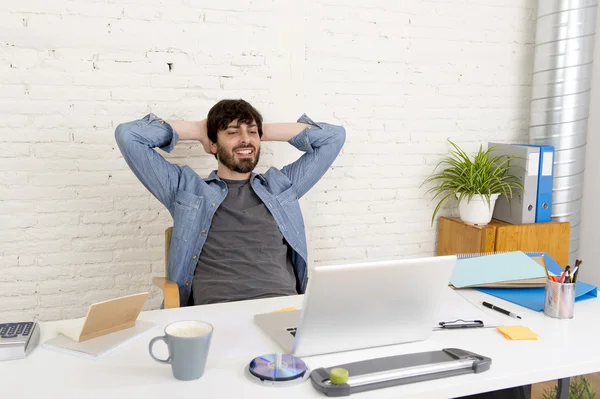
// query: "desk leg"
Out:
[563,389]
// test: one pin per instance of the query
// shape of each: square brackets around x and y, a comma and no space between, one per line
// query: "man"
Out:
[236,234]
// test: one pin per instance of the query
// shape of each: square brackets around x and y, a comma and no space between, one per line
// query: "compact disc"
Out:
[278,367]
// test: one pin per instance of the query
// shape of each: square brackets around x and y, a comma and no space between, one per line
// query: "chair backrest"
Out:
[168,234]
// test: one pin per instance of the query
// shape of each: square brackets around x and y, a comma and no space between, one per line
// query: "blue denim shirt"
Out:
[192,201]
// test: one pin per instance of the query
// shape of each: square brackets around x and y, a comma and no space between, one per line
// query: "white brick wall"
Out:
[402,76]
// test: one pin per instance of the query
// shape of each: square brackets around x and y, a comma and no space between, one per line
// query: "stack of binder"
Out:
[534,166]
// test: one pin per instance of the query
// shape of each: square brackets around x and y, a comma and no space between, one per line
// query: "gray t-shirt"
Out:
[245,255]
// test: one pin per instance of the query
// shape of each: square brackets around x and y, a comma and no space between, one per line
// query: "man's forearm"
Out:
[282,131]
[189,130]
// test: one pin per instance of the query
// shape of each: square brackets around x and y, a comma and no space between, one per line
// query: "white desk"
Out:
[565,348]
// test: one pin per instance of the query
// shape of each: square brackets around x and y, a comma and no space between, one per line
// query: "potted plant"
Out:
[475,181]
[579,388]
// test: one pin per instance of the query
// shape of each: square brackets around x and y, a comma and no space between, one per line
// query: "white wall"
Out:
[402,76]
[589,250]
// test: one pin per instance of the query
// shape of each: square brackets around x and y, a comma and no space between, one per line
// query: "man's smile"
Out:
[244,152]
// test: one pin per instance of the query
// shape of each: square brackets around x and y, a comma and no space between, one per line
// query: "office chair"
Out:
[169,288]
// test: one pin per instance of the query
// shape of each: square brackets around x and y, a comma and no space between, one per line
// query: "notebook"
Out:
[509,269]
[101,346]
[105,317]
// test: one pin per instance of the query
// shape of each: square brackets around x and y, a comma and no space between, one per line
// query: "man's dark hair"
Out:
[226,111]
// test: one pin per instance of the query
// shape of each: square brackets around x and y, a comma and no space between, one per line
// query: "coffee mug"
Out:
[188,343]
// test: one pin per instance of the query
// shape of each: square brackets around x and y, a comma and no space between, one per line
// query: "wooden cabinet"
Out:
[456,237]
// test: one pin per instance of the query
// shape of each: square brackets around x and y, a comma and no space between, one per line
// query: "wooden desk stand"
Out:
[456,237]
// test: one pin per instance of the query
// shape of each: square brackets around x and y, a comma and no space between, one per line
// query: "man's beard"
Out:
[244,165]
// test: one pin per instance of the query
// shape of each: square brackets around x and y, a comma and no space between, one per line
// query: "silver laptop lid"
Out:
[355,306]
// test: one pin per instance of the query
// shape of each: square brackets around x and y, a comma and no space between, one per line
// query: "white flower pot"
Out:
[476,211]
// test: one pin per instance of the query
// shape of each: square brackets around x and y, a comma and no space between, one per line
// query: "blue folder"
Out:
[533,298]
[543,209]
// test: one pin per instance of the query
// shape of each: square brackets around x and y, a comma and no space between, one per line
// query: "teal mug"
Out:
[188,343]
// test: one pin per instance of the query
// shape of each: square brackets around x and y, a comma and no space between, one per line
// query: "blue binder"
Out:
[533,298]
[543,209]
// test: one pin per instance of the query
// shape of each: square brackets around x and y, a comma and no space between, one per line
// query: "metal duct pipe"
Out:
[562,81]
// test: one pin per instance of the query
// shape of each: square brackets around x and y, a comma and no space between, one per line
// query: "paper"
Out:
[533,164]
[504,267]
[285,309]
[72,328]
[100,346]
[454,307]
[527,283]
[517,333]
[547,163]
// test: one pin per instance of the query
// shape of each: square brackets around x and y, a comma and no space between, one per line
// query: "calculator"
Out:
[17,340]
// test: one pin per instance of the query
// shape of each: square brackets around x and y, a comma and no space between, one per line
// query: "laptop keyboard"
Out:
[292,331]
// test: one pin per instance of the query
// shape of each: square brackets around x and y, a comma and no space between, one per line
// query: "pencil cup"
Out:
[559,301]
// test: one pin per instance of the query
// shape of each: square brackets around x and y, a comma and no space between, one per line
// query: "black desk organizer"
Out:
[400,370]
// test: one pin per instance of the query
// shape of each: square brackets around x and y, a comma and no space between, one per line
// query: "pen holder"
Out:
[559,301]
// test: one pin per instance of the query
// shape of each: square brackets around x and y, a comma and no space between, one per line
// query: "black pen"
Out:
[496,308]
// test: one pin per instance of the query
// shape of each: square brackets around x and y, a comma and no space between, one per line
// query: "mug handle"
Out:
[152,342]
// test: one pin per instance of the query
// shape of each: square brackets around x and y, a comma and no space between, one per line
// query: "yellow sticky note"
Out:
[285,309]
[517,332]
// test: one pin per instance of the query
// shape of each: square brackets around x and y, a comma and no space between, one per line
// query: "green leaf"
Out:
[579,388]
[466,176]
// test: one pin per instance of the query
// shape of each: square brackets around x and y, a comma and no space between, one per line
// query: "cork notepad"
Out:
[106,317]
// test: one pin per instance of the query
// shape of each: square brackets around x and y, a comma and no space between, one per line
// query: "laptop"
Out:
[363,305]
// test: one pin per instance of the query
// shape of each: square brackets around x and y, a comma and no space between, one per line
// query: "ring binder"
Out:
[524,165]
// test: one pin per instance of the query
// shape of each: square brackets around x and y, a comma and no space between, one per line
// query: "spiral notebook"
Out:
[514,269]
[533,297]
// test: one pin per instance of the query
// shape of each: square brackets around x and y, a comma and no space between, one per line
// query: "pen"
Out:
[577,264]
[545,267]
[574,273]
[504,311]
[564,274]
